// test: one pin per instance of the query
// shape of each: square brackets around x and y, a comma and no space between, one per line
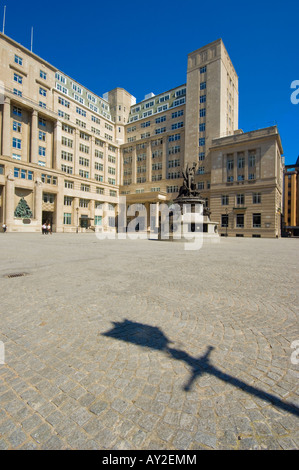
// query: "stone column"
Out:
[76,151]
[164,159]
[105,162]
[9,201]
[34,137]
[57,146]
[92,157]
[6,134]
[38,201]
[134,165]
[149,162]
[76,212]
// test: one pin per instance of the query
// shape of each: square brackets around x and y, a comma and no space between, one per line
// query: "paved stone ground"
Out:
[141,345]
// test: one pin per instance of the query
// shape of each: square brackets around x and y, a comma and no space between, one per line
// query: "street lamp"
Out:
[77,229]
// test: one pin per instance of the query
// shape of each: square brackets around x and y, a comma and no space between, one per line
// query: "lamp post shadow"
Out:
[152,337]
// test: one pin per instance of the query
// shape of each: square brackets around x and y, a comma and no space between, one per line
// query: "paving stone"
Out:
[133,345]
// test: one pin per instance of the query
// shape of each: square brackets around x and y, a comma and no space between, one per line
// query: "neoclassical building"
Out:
[67,154]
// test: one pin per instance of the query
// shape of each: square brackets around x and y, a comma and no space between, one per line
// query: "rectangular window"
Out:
[17,111]
[18,60]
[240,220]
[67,218]
[17,126]
[16,143]
[203,99]
[17,92]
[1,169]
[256,198]
[42,105]
[42,151]
[84,174]
[240,199]
[256,220]
[202,112]
[251,161]
[202,127]
[203,69]
[42,122]
[43,75]
[224,220]
[230,164]
[42,136]
[202,142]
[224,200]
[68,200]
[68,184]
[98,220]
[42,91]
[18,78]
[83,203]
[203,85]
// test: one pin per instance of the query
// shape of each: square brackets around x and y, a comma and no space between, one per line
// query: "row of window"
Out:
[240,199]
[240,220]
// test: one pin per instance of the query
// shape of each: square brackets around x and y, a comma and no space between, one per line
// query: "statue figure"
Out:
[189,186]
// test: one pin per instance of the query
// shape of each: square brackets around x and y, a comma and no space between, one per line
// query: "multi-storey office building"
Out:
[69,153]
[291,199]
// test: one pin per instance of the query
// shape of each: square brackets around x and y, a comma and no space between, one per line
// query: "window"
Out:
[67,219]
[42,74]
[99,166]
[177,125]
[160,119]
[67,142]
[42,91]
[68,200]
[251,160]
[241,177]
[83,161]
[18,60]
[48,198]
[66,156]
[67,169]
[230,164]
[85,187]
[111,181]
[224,220]
[16,143]
[83,203]
[256,198]
[112,193]
[224,200]
[201,141]
[201,170]
[17,126]
[68,184]
[201,156]
[18,78]
[84,174]
[240,220]
[17,111]
[145,124]
[203,99]
[98,220]
[68,129]
[63,102]
[160,130]
[240,199]
[17,92]
[202,112]
[15,156]
[203,69]
[251,176]
[256,220]
[203,85]
[177,113]
[174,137]
[81,111]
[60,77]
[42,136]
[42,122]
[241,162]
[201,185]
[84,148]
[40,163]
[202,127]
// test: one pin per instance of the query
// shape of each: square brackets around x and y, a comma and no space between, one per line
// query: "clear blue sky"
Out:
[143,48]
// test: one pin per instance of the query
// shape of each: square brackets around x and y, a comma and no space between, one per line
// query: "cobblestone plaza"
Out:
[139,344]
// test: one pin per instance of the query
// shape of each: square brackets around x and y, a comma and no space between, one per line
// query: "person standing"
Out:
[4,226]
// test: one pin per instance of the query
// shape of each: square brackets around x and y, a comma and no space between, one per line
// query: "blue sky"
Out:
[143,48]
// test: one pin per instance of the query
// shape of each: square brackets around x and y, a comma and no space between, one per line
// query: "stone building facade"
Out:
[70,154]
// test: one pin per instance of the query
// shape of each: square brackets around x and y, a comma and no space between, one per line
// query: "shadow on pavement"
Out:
[152,337]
